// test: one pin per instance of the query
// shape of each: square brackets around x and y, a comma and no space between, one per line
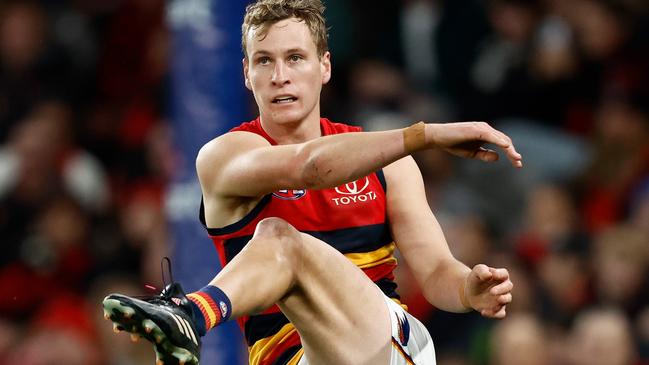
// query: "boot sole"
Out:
[133,319]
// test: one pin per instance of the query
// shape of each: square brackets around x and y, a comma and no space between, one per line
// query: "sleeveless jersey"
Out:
[350,217]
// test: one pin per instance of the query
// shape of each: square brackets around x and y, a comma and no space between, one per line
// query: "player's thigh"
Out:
[336,308]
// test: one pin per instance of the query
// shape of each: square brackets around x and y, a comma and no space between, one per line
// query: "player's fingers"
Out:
[488,134]
[486,155]
[484,132]
[499,274]
[502,288]
[486,313]
[513,155]
[504,137]
[494,312]
[504,299]
[500,139]
[510,150]
[501,313]
[482,271]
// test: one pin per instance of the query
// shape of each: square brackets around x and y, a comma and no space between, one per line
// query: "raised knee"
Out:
[273,228]
[279,236]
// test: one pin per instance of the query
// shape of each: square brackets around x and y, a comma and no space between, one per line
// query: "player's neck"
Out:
[293,132]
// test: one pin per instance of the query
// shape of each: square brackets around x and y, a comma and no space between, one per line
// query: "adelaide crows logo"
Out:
[404,330]
[290,194]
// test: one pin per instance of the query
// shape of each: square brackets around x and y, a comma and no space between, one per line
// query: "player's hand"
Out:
[466,139]
[488,290]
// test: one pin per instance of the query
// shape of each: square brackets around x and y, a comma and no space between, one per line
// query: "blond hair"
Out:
[264,13]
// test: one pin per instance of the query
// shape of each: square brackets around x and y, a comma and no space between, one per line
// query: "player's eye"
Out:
[264,60]
[295,58]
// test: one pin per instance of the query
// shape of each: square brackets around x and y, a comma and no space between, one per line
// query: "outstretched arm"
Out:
[446,283]
[244,164]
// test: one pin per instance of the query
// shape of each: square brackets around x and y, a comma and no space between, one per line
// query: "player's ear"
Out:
[245,73]
[325,67]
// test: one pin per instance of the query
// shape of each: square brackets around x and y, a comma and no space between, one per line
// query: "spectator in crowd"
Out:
[602,337]
[520,341]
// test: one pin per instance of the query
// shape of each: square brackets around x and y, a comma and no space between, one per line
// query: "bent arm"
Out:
[420,238]
[446,283]
[246,165]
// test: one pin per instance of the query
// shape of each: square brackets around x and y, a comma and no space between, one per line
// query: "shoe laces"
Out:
[163,294]
[171,277]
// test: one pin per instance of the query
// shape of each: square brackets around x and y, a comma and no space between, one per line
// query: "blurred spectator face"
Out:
[37,156]
[553,56]
[33,142]
[64,224]
[519,340]
[599,31]
[141,217]
[601,337]
[550,213]
[22,34]
[622,125]
[565,278]
[38,142]
[41,137]
[620,264]
[513,20]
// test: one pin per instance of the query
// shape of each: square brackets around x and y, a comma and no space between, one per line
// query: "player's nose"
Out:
[279,76]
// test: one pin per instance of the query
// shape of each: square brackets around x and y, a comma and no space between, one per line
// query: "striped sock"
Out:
[211,304]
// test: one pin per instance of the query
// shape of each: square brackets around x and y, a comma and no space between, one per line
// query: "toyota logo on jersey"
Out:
[290,194]
[353,188]
[354,192]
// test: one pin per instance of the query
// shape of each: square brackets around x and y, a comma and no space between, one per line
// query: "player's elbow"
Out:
[311,172]
[313,175]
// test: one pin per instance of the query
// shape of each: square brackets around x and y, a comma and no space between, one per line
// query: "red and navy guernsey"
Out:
[351,218]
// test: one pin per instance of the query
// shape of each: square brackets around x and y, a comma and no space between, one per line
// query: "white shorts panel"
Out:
[411,342]
[418,349]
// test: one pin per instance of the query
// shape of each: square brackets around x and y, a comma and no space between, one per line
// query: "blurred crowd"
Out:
[86,154]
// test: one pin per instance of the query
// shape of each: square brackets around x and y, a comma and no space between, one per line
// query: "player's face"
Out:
[284,72]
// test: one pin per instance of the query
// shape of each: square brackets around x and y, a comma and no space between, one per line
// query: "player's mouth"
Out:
[284,99]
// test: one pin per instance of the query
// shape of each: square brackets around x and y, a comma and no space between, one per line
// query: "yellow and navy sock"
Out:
[211,304]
